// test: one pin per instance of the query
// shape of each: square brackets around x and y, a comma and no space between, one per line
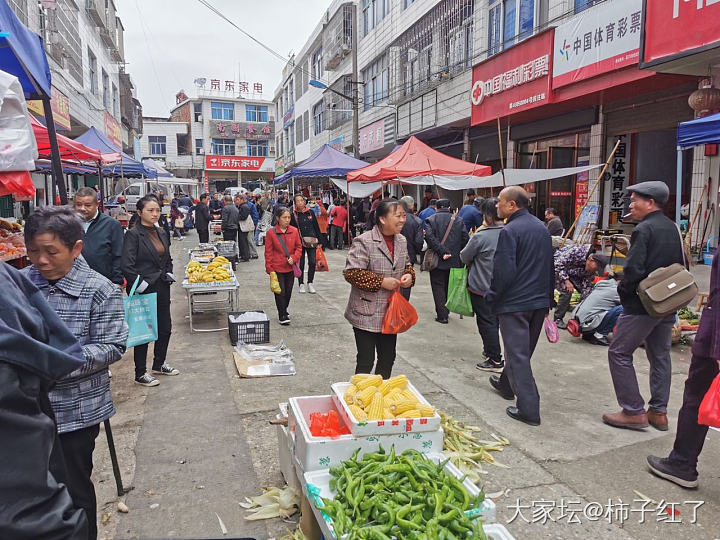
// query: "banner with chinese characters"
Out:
[113,130]
[242,130]
[338,143]
[60,106]
[514,80]
[619,176]
[581,186]
[600,39]
[233,163]
[372,137]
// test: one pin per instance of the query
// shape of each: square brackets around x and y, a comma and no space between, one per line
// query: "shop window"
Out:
[223,147]
[222,111]
[157,145]
[257,148]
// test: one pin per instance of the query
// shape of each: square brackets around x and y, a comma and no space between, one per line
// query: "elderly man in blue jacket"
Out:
[521,293]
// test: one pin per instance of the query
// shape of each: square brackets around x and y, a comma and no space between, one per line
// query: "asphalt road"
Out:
[195,446]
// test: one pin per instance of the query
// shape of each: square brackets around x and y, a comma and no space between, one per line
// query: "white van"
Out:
[137,190]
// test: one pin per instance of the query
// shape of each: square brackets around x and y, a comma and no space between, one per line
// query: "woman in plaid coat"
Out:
[377,264]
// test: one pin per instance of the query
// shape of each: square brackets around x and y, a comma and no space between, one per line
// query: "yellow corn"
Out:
[402,406]
[358,413]
[373,380]
[375,411]
[393,393]
[393,382]
[364,397]
[387,415]
[350,394]
[410,395]
[412,413]
[426,411]
[359,377]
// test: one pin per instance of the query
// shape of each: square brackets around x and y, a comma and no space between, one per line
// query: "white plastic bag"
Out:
[18,148]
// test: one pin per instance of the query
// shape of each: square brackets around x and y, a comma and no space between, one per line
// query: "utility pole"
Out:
[355,84]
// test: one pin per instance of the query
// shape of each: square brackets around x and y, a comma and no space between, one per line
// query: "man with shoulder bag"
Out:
[655,249]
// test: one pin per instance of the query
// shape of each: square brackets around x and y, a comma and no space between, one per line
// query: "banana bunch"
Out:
[197,273]
[220,273]
[221,260]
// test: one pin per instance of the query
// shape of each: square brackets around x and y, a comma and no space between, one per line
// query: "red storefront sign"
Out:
[60,105]
[515,80]
[113,130]
[677,28]
[372,137]
[233,163]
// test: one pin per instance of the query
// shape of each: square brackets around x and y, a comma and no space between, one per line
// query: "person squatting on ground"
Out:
[377,264]
[575,269]
[597,315]
[479,255]
[146,254]
[283,248]
[655,243]
[521,293]
[304,220]
[444,225]
[92,308]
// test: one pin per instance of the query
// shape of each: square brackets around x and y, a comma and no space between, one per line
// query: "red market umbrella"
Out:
[415,161]
[16,183]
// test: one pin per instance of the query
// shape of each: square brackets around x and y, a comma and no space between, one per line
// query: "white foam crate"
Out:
[495,531]
[317,485]
[316,453]
[285,451]
[384,427]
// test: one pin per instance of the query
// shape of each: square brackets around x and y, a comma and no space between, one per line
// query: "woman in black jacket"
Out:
[146,255]
[304,219]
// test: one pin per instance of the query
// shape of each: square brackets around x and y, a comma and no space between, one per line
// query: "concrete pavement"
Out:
[196,445]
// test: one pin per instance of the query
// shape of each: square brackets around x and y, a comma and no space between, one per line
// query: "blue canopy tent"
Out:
[325,162]
[153,165]
[127,166]
[705,130]
[22,55]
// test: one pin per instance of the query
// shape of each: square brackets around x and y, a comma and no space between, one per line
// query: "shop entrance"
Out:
[554,153]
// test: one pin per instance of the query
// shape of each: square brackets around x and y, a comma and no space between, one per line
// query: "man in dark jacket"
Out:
[448,252]
[413,232]
[103,240]
[243,214]
[202,219]
[553,223]
[36,350]
[655,243]
[470,213]
[521,293]
[229,219]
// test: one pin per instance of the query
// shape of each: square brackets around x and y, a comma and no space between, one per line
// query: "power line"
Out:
[147,46]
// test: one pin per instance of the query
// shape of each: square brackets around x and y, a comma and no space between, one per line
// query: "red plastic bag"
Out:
[709,413]
[551,330]
[400,315]
[321,264]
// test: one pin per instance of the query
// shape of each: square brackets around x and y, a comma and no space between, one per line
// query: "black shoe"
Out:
[441,321]
[560,324]
[590,338]
[254,257]
[491,365]
[664,468]
[495,383]
[514,412]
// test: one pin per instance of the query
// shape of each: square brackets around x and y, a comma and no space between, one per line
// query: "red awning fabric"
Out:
[16,183]
[414,159]
[69,150]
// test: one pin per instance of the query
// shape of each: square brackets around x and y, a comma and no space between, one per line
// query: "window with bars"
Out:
[64,36]
[223,147]
[199,147]
[317,66]
[509,22]
[257,148]
[20,7]
[105,90]
[157,145]
[373,12]
[92,73]
[222,111]
[319,117]
[197,111]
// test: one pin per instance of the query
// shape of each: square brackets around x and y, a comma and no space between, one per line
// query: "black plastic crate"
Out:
[248,332]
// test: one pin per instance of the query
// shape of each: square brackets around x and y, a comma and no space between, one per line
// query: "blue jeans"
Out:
[609,320]
[257,235]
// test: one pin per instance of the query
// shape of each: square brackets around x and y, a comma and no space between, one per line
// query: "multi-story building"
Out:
[223,136]
[558,78]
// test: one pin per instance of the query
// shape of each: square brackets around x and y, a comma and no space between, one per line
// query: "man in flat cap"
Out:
[655,243]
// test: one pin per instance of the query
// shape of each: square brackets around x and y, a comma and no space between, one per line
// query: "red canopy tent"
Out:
[70,151]
[416,163]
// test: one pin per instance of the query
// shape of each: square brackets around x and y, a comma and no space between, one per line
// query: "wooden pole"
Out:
[502,160]
[592,192]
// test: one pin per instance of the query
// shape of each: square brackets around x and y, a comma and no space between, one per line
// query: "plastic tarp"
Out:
[357,189]
[22,54]
[416,159]
[70,150]
[705,130]
[153,165]
[324,162]
[127,166]
[16,183]
[18,150]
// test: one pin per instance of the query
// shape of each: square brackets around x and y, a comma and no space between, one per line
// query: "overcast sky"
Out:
[170,43]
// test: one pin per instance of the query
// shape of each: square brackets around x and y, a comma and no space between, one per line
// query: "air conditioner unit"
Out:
[199,118]
[200,150]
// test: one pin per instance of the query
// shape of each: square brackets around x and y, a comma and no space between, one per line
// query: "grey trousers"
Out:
[251,243]
[631,332]
[520,332]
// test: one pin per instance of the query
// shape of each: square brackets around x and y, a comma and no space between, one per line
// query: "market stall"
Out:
[209,287]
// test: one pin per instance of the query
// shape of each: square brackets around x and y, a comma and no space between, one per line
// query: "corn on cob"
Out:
[364,397]
[375,411]
[393,382]
[409,394]
[350,394]
[393,393]
[412,413]
[426,410]
[358,413]
[387,415]
[403,406]
[373,380]
[359,377]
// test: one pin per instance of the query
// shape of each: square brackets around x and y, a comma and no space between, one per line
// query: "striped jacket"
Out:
[92,308]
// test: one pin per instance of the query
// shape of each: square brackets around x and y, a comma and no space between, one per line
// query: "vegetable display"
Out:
[406,496]
[369,397]
[217,270]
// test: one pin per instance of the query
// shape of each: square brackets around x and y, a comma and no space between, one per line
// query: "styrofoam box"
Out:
[285,451]
[317,485]
[495,531]
[383,427]
[315,453]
